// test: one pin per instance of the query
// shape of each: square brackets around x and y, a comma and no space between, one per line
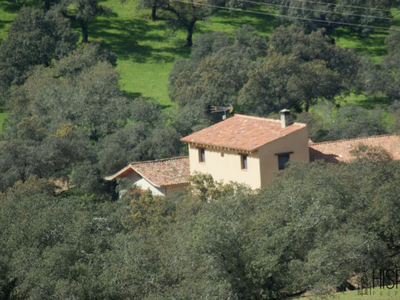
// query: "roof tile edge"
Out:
[354,139]
[133,164]
[158,160]
[253,150]
[267,119]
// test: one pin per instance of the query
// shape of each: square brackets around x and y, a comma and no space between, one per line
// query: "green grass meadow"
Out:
[146,52]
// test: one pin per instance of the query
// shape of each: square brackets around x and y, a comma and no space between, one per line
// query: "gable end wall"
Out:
[296,142]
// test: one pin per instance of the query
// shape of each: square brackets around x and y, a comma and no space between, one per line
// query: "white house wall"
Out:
[144,184]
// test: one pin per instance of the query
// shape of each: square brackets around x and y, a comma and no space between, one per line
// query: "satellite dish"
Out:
[223,109]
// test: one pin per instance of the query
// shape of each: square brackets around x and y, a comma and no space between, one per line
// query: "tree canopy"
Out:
[76,125]
[91,99]
[35,38]
[183,14]
[82,12]
[330,14]
[294,70]
[326,224]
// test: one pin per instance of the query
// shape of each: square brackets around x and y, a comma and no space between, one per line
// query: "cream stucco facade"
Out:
[262,164]
[226,165]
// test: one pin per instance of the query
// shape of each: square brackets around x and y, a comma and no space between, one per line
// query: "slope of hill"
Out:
[146,52]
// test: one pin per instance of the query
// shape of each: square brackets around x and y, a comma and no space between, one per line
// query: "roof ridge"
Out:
[242,132]
[264,119]
[255,117]
[353,139]
[158,160]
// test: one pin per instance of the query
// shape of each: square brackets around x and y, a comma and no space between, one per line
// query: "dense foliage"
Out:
[70,121]
[314,228]
[183,14]
[292,70]
[35,38]
[296,71]
[331,14]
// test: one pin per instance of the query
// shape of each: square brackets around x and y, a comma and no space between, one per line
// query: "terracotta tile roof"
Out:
[241,132]
[159,172]
[339,151]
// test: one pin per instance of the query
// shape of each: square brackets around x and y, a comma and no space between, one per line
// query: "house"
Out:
[162,176]
[244,149]
[247,150]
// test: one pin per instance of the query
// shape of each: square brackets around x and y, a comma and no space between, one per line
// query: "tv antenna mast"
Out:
[224,109]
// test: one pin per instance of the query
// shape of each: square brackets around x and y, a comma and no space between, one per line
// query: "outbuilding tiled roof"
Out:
[339,151]
[241,132]
[159,172]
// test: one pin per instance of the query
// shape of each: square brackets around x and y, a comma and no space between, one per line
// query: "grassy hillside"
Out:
[146,53]
[384,294]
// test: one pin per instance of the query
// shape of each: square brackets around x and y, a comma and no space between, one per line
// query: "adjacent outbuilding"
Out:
[162,176]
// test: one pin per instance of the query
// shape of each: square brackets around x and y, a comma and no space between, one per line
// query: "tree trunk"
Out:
[85,38]
[154,11]
[307,106]
[46,5]
[190,29]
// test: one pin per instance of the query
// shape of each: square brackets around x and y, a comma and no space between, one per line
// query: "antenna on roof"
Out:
[224,109]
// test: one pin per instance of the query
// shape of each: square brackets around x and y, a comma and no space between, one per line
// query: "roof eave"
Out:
[175,183]
[123,172]
[119,174]
[202,145]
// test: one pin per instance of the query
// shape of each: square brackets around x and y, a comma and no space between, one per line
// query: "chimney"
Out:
[286,119]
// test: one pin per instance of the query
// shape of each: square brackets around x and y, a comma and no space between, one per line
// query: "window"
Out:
[202,155]
[243,159]
[282,160]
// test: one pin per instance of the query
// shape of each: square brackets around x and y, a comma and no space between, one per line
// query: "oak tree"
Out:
[34,38]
